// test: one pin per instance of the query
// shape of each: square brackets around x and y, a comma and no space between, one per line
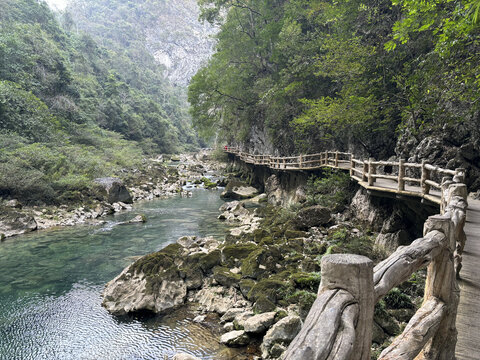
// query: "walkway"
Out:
[468,317]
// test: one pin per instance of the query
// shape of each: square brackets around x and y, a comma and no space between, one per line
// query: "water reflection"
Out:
[50,285]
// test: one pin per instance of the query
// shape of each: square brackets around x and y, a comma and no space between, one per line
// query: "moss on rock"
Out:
[225,277]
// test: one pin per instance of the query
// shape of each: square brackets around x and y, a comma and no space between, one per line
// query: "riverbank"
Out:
[158,178]
[261,280]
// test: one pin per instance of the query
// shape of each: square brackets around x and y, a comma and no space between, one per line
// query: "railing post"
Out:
[336,159]
[372,170]
[284,163]
[352,165]
[401,174]
[425,177]
[300,160]
[441,283]
[459,176]
[365,171]
[340,321]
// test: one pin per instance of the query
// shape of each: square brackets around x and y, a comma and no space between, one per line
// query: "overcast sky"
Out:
[57,4]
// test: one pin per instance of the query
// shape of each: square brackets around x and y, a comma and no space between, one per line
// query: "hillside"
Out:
[378,78]
[73,108]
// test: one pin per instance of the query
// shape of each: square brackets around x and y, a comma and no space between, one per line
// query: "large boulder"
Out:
[283,332]
[133,292]
[113,190]
[312,216]
[238,190]
[160,281]
[15,223]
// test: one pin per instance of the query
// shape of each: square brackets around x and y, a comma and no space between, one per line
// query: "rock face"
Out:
[114,190]
[312,216]
[283,332]
[14,223]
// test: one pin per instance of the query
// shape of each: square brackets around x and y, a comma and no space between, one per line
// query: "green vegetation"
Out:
[335,73]
[70,111]
[332,190]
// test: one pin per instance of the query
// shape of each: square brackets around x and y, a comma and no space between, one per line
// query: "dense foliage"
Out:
[338,74]
[69,112]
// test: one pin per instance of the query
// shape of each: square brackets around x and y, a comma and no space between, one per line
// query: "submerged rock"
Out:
[183,356]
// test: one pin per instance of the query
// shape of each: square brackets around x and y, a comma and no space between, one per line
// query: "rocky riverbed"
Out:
[160,177]
[262,279]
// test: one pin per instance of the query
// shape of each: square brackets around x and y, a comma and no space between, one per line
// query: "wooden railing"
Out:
[368,173]
[339,324]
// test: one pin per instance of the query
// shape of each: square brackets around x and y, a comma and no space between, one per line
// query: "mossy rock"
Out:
[259,235]
[261,262]
[267,241]
[306,281]
[158,261]
[293,245]
[293,234]
[304,300]
[246,285]
[271,289]
[237,251]
[210,260]
[316,248]
[225,277]
[263,304]
[207,183]
[154,281]
[309,265]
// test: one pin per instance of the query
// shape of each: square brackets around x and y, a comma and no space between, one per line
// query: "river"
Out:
[51,281]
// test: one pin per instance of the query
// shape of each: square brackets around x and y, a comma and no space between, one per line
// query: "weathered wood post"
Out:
[372,170]
[284,163]
[339,324]
[300,160]
[401,174]
[365,171]
[352,165]
[336,159]
[425,177]
[326,158]
[441,280]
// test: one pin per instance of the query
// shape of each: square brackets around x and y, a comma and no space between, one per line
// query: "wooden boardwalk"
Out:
[399,185]
[468,317]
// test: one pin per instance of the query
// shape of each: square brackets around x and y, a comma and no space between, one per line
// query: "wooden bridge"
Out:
[337,325]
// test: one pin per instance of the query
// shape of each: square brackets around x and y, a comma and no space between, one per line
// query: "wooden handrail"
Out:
[372,171]
[340,319]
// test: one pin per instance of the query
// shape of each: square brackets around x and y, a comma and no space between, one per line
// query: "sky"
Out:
[57,4]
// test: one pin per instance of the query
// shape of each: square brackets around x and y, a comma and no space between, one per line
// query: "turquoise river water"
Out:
[51,281]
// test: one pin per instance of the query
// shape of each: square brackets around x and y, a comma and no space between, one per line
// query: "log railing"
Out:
[410,178]
[339,324]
